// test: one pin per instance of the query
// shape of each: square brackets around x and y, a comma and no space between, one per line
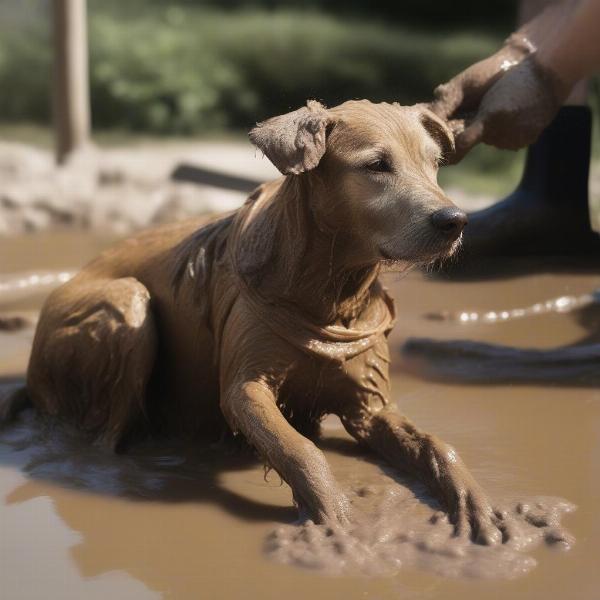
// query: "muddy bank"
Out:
[121,189]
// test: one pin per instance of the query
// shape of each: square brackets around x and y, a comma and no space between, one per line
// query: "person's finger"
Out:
[447,97]
[457,126]
[466,139]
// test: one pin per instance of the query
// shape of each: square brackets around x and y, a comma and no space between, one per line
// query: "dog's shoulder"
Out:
[195,256]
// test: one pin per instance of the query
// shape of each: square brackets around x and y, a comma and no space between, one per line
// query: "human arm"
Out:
[507,99]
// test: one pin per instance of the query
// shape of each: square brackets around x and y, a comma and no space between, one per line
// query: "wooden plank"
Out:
[71,81]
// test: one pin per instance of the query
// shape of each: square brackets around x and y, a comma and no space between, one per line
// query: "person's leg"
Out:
[548,212]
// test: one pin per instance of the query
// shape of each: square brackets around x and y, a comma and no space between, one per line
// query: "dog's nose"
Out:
[449,220]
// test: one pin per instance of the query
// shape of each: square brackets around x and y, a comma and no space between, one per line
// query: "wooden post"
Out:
[71,85]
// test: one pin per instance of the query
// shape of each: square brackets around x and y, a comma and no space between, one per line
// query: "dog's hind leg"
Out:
[93,355]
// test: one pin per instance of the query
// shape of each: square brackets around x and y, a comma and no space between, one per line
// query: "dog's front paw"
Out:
[333,510]
[473,516]
[468,506]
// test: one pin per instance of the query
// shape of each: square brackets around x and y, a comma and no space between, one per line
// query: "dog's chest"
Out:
[314,387]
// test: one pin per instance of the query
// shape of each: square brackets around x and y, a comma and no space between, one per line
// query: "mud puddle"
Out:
[177,522]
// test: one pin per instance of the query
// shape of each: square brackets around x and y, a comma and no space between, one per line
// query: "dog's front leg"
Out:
[434,462]
[251,408]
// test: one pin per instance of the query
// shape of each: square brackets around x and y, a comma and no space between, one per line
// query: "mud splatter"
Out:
[396,528]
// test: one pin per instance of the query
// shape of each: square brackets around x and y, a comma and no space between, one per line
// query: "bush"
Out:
[184,68]
[25,66]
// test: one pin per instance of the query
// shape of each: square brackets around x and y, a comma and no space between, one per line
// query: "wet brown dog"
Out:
[265,320]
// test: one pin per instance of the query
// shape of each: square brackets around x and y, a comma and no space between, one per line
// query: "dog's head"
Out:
[373,168]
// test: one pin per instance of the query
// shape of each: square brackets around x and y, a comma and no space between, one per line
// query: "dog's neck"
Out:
[292,259]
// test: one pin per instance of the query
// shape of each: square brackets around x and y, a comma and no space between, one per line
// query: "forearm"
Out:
[251,408]
[507,99]
[564,37]
[434,462]
[574,52]
[462,95]
[403,445]
[542,20]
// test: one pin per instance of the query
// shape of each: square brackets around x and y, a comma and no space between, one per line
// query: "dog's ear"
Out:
[294,142]
[438,129]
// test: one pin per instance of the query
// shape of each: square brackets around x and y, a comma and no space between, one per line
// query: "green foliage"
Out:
[180,67]
[25,63]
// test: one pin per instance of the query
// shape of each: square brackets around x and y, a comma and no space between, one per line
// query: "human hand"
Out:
[513,111]
[462,95]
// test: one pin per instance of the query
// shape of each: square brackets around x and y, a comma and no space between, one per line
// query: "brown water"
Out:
[194,523]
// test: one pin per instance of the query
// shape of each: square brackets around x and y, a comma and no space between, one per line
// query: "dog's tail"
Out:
[13,403]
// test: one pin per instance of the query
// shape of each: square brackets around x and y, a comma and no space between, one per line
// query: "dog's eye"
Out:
[381,165]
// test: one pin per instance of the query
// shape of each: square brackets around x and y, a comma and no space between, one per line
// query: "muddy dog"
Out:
[262,321]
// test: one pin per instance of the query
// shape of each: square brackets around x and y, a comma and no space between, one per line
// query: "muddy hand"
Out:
[504,100]
[463,93]
[514,111]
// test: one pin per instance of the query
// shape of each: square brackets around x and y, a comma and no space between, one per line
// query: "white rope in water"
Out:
[562,304]
[22,285]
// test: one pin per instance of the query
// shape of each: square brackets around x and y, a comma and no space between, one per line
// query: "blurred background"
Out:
[192,76]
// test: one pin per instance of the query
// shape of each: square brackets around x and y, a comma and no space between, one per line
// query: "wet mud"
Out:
[170,521]
[396,524]
[399,525]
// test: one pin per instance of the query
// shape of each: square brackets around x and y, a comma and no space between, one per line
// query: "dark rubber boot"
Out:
[547,214]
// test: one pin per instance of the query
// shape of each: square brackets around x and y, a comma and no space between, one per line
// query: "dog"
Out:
[262,321]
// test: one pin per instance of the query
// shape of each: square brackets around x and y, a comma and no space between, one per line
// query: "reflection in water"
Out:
[164,471]
[154,513]
[465,361]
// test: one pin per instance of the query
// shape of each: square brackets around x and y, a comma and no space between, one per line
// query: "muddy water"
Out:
[180,522]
